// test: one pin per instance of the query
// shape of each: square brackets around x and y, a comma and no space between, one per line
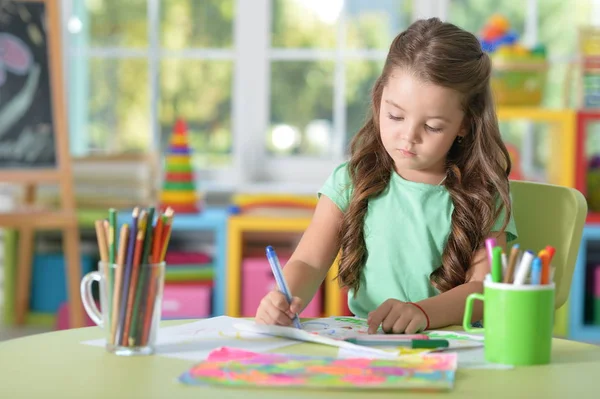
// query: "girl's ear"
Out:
[464,129]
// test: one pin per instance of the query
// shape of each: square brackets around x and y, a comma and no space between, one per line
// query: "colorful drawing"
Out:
[229,367]
[338,327]
[15,56]
[179,187]
[312,336]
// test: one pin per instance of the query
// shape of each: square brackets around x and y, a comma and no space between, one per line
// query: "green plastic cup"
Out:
[518,322]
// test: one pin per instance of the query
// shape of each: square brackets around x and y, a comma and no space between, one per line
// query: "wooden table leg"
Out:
[73,273]
[24,271]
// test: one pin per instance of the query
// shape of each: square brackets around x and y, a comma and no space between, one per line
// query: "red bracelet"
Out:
[424,312]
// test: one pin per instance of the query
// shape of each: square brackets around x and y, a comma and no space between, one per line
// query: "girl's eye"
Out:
[433,129]
[395,118]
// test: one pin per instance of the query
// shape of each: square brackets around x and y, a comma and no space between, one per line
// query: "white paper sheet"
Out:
[472,358]
[194,341]
[307,336]
[469,348]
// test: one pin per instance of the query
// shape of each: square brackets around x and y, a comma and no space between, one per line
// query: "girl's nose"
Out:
[410,134]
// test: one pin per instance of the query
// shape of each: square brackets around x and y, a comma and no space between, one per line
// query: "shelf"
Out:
[584,117]
[535,113]
[561,137]
[240,224]
[578,329]
[586,333]
[213,219]
[593,218]
[208,219]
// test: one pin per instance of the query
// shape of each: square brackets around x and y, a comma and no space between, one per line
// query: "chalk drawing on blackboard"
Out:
[27,131]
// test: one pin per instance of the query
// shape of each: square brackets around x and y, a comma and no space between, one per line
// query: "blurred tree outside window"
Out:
[135,66]
[134,70]
[325,57]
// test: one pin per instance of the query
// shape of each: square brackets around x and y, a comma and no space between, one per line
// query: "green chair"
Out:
[546,214]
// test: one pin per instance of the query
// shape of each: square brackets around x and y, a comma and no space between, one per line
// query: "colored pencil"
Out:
[101,238]
[133,284]
[146,283]
[119,265]
[157,240]
[112,249]
[108,270]
[150,304]
[169,213]
[127,276]
[141,290]
[512,261]
[112,235]
[148,309]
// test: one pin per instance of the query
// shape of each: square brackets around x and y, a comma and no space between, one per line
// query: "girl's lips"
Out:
[406,153]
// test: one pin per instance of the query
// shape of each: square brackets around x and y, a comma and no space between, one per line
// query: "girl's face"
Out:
[418,124]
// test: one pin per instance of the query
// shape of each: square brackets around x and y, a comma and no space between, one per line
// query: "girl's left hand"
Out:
[397,317]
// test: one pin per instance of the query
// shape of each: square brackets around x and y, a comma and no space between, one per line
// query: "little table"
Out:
[58,365]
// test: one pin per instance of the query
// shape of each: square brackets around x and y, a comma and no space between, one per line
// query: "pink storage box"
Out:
[62,317]
[258,280]
[185,301]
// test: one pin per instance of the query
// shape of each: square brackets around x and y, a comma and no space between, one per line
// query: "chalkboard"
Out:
[27,131]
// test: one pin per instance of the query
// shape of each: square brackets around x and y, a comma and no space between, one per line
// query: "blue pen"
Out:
[536,271]
[278,273]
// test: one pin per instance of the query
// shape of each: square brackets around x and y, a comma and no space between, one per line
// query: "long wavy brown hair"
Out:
[477,168]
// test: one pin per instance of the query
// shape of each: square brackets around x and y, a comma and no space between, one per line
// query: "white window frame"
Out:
[299,174]
[252,169]
[210,179]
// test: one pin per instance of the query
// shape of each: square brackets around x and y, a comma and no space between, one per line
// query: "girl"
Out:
[426,184]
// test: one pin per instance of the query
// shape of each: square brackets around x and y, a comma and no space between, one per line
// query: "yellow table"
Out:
[57,365]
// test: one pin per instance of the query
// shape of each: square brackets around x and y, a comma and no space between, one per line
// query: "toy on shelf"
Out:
[519,72]
[593,183]
[587,161]
[516,172]
[273,204]
[589,48]
[189,278]
[179,187]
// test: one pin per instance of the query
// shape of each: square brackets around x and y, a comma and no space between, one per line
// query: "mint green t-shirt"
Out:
[406,229]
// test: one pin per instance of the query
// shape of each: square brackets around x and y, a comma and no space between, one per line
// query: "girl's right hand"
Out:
[275,309]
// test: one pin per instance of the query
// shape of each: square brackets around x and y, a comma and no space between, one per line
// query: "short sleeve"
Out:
[511,228]
[338,187]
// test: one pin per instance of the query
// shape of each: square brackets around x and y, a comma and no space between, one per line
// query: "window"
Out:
[272,90]
[323,59]
[286,81]
[137,66]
